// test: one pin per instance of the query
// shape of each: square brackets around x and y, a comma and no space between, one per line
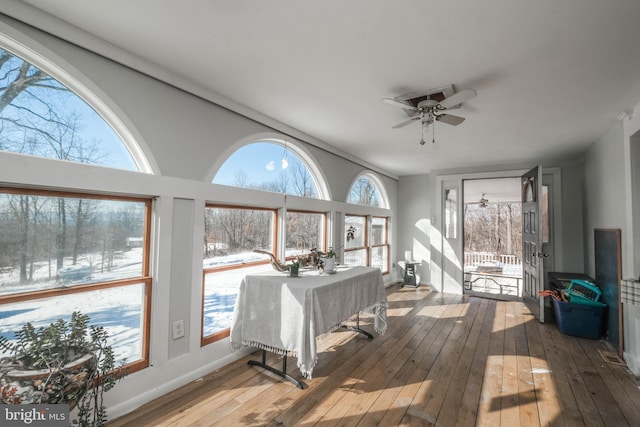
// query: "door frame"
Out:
[447,260]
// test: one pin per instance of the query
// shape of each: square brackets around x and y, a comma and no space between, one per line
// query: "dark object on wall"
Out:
[608,266]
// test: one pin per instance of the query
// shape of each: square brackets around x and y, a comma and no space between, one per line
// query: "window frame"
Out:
[217,336]
[144,279]
[324,228]
[382,245]
[368,246]
[365,247]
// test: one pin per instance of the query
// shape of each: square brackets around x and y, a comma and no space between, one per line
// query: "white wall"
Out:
[184,136]
[414,219]
[608,197]
[604,189]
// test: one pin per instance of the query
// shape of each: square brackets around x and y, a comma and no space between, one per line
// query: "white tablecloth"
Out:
[285,315]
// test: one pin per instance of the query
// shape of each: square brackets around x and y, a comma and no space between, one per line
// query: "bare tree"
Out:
[301,181]
[364,192]
[35,119]
[491,228]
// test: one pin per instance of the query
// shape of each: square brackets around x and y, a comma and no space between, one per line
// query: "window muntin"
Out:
[61,252]
[41,116]
[231,235]
[268,166]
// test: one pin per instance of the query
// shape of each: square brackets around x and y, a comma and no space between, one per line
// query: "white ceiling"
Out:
[551,76]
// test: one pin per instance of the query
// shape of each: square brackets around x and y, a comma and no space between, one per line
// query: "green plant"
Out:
[66,362]
[330,253]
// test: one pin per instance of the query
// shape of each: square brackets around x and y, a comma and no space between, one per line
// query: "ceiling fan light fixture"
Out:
[430,106]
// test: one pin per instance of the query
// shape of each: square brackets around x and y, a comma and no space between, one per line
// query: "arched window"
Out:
[271,165]
[367,237]
[41,116]
[367,190]
[65,251]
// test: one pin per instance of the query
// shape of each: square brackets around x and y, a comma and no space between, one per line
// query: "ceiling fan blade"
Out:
[450,119]
[458,98]
[406,122]
[396,103]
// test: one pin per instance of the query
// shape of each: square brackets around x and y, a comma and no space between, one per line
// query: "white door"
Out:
[532,251]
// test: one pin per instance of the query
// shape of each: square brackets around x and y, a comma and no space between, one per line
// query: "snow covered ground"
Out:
[119,309]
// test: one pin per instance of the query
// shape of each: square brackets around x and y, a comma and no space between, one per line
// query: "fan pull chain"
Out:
[433,132]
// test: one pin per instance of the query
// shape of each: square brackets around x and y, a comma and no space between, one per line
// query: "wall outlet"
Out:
[178,329]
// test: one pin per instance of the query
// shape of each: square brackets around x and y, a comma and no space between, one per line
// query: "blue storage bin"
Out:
[579,320]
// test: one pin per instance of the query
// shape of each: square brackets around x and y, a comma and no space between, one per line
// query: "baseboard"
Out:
[123,408]
[633,363]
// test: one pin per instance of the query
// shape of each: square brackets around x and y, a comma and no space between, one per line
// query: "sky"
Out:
[261,161]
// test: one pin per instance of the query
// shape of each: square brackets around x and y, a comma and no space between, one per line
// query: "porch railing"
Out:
[493,273]
[476,258]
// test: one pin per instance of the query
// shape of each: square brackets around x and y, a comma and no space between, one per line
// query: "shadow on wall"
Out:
[421,249]
[439,267]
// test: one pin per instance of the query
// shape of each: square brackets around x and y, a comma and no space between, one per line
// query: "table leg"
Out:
[281,373]
[357,328]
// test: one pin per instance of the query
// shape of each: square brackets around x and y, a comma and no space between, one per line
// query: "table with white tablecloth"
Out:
[284,315]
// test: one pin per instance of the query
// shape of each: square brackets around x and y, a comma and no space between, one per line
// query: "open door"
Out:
[532,254]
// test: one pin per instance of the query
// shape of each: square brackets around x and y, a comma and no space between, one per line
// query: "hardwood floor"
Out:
[445,360]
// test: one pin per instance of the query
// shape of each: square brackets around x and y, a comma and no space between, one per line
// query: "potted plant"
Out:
[329,261]
[65,363]
[294,268]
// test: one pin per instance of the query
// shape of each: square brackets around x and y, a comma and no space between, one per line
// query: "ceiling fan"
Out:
[427,110]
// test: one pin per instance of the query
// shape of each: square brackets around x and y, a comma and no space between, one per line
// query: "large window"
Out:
[64,252]
[367,241]
[41,116]
[231,235]
[305,231]
[269,166]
